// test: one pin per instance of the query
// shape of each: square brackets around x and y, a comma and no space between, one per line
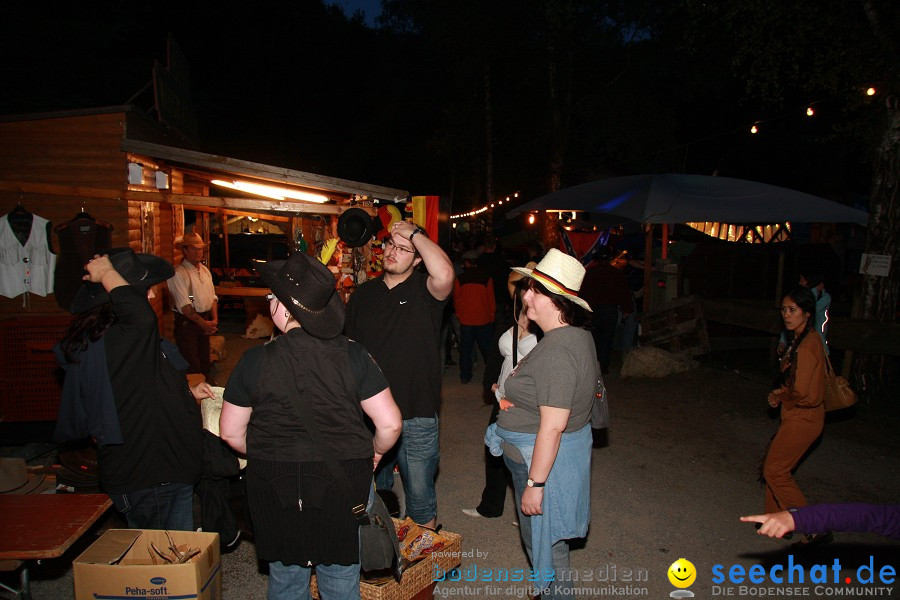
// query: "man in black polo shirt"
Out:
[397,318]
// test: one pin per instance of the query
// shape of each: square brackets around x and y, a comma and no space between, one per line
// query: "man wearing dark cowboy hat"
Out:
[150,440]
[195,304]
[397,317]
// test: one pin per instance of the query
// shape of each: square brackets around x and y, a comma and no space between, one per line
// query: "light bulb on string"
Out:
[754,129]
[871,91]
[809,111]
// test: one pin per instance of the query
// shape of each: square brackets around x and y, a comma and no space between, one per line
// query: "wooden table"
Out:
[38,526]
[242,292]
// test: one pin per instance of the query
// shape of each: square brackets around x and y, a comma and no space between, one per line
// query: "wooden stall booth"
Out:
[128,181]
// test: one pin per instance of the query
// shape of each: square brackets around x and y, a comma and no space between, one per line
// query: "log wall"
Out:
[57,167]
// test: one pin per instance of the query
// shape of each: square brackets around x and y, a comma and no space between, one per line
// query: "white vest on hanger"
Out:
[27,268]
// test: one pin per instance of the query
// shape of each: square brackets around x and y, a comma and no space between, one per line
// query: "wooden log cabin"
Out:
[128,171]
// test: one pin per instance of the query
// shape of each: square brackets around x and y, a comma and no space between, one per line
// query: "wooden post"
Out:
[224,221]
[665,242]
[648,266]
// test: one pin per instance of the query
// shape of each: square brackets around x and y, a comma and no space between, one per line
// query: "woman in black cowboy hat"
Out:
[126,389]
[291,404]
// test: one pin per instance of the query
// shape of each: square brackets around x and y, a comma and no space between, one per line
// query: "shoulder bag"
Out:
[838,393]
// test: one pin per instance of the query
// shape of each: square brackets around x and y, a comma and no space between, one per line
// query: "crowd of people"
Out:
[346,394]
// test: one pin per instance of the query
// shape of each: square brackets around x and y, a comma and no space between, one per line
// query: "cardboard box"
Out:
[119,565]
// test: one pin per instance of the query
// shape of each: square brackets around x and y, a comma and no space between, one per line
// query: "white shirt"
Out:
[526,345]
[192,280]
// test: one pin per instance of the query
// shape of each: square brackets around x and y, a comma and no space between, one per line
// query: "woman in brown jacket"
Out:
[801,397]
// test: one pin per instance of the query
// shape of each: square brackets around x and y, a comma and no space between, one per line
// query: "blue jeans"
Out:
[468,336]
[417,453]
[291,582]
[162,506]
[560,550]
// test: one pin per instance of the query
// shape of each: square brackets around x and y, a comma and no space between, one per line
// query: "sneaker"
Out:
[472,512]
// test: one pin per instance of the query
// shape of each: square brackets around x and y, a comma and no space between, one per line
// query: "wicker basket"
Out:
[415,579]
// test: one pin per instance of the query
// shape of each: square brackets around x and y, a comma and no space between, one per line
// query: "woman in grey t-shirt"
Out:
[546,434]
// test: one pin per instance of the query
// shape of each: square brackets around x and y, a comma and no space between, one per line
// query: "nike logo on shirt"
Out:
[404,301]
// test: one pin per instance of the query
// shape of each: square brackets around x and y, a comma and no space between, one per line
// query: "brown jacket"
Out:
[808,390]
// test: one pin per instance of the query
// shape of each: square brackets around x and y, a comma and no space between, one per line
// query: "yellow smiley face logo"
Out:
[682,573]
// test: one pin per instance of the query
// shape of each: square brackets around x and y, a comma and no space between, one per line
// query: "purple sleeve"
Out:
[875,518]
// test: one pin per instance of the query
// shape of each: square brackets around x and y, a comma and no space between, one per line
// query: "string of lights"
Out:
[755,127]
[477,211]
[810,111]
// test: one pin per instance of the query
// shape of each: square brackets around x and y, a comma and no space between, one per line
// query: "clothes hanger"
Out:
[84,215]
[19,209]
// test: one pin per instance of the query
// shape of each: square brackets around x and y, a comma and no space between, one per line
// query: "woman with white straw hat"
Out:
[545,436]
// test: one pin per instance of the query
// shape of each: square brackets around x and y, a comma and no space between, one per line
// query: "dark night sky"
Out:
[317,93]
[371,8]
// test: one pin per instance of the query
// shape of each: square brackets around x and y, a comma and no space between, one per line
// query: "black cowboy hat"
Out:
[355,227]
[306,288]
[139,270]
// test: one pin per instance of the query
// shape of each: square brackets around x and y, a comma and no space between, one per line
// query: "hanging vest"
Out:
[27,268]
[79,240]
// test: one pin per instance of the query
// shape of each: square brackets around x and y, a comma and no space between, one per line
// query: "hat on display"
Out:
[15,478]
[139,270]
[306,288]
[560,273]
[355,227]
[515,276]
[191,239]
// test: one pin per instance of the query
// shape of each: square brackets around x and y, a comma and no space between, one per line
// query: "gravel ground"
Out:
[680,467]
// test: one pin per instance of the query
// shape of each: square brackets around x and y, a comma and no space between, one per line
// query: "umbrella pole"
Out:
[665,242]
[648,266]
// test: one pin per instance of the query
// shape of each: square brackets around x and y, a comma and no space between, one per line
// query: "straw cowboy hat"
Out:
[560,273]
[191,239]
[15,478]
[140,270]
[306,288]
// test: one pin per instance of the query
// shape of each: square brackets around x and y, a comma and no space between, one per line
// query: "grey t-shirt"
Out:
[561,371]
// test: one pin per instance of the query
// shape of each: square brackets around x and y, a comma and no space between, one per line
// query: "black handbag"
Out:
[379,548]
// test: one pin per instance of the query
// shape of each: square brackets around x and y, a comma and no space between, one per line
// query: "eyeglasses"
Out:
[390,245]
